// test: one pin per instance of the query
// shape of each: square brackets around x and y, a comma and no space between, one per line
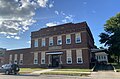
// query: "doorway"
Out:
[55,60]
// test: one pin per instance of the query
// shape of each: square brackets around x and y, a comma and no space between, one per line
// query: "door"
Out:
[55,60]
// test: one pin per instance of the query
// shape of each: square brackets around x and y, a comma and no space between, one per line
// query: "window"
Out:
[59,40]
[69,57]
[43,42]
[15,59]
[43,61]
[79,60]
[10,59]
[69,60]
[21,59]
[42,57]
[79,56]
[35,58]
[68,39]
[51,41]
[77,38]
[36,43]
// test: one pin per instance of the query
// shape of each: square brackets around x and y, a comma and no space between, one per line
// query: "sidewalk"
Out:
[42,71]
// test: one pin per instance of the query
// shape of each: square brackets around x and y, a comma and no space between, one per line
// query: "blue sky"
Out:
[20,17]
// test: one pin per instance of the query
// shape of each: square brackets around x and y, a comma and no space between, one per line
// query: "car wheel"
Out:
[7,72]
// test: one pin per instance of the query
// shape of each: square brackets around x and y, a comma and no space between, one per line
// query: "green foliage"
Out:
[111,37]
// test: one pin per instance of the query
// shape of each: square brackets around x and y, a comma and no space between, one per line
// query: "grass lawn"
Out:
[77,72]
[29,70]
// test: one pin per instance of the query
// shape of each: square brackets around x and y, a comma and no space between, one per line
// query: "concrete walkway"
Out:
[42,71]
[105,75]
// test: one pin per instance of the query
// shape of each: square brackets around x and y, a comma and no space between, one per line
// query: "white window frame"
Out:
[10,58]
[79,55]
[15,59]
[77,36]
[36,43]
[43,57]
[69,56]
[81,60]
[68,60]
[51,41]
[68,37]
[36,58]
[42,61]
[21,59]
[59,38]
[43,42]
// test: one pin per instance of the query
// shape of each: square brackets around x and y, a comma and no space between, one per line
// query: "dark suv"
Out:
[10,69]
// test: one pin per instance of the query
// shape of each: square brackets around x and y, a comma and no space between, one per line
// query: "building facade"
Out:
[66,45]
[2,53]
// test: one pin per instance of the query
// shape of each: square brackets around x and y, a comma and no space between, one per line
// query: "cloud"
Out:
[50,24]
[15,37]
[56,12]
[51,4]
[68,18]
[29,42]
[16,16]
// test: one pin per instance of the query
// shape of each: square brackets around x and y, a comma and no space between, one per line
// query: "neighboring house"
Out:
[66,45]
[101,57]
[2,52]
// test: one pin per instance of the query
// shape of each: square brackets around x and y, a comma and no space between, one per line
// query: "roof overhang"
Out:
[54,53]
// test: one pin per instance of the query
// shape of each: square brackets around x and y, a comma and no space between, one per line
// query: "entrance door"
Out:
[55,60]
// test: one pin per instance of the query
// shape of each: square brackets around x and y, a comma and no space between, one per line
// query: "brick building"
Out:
[66,45]
[2,52]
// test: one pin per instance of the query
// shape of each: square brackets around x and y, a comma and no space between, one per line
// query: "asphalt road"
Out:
[94,75]
[41,77]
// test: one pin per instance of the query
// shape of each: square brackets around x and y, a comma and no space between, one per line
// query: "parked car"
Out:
[10,69]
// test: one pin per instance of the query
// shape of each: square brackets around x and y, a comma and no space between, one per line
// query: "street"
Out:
[40,77]
[94,75]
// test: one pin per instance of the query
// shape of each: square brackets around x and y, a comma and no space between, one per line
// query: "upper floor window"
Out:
[51,41]
[43,42]
[68,39]
[77,38]
[36,43]
[59,40]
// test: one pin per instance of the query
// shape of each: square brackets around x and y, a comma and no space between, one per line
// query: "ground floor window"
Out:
[69,60]
[35,61]
[79,60]
[43,61]
[79,56]
[21,62]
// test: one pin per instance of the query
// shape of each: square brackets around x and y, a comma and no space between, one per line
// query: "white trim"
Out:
[59,38]
[42,61]
[70,60]
[51,41]
[36,43]
[77,35]
[54,53]
[79,62]
[68,37]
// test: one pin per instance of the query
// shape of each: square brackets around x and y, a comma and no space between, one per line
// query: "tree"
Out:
[111,36]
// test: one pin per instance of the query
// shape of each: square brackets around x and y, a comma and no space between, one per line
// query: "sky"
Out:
[18,18]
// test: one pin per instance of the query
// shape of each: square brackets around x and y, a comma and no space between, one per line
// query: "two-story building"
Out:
[66,45]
